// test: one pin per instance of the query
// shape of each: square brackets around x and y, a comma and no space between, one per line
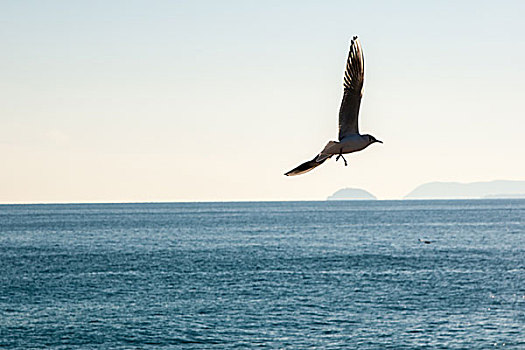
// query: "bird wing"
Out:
[353,90]
[306,166]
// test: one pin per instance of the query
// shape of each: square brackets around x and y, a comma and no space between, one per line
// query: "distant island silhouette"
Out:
[351,193]
[456,190]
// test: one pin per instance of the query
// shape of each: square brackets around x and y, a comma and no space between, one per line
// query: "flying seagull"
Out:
[350,140]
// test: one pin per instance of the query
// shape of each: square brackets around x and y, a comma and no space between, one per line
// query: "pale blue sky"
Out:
[205,100]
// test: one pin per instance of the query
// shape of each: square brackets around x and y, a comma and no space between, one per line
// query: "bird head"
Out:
[372,139]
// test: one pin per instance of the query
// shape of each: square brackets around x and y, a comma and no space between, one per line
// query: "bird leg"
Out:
[341,156]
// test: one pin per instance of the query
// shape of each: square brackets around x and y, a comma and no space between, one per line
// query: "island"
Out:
[456,190]
[351,194]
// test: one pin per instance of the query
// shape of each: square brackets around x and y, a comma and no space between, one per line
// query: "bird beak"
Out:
[379,141]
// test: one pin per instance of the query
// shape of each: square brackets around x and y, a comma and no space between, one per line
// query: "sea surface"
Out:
[297,275]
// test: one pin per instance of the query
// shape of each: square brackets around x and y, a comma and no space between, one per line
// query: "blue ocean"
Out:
[297,275]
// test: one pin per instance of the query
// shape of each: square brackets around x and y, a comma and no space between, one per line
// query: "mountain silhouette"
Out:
[351,193]
[456,190]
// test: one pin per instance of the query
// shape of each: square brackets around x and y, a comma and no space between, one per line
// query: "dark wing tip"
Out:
[301,169]
[354,71]
[305,167]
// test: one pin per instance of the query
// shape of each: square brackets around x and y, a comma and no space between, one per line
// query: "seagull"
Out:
[424,241]
[350,140]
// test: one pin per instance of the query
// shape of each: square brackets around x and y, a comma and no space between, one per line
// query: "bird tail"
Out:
[306,166]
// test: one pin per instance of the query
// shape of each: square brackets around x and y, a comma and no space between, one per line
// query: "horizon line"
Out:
[260,201]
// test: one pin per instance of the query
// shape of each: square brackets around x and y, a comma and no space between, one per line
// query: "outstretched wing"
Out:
[306,167]
[353,90]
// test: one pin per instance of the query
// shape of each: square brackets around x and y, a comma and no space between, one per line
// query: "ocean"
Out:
[270,275]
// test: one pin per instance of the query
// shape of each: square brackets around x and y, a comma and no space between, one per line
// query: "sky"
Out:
[142,101]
